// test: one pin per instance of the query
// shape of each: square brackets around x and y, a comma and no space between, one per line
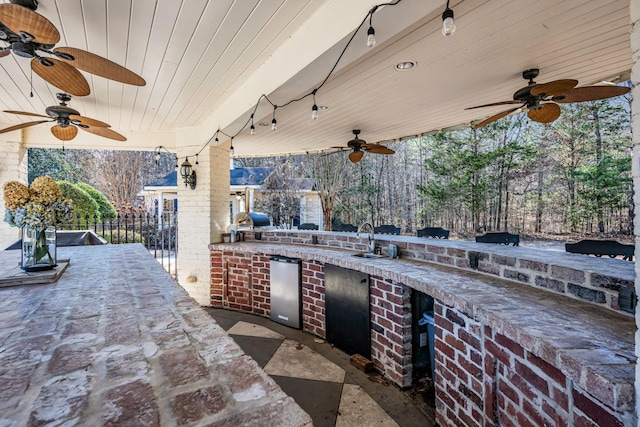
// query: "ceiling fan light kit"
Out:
[541,100]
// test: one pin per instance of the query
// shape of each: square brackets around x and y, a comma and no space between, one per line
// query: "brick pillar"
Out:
[13,167]
[635,129]
[203,213]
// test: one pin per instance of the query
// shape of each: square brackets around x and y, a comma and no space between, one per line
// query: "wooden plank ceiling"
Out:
[198,55]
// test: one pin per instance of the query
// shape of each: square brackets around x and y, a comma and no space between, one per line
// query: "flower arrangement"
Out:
[37,207]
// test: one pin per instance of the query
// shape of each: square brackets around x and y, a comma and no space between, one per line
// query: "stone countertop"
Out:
[589,344]
[614,267]
[117,341]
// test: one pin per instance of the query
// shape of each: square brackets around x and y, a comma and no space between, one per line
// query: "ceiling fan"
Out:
[67,121]
[540,99]
[358,147]
[28,34]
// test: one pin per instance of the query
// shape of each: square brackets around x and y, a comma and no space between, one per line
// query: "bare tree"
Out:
[329,173]
[281,194]
[120,175]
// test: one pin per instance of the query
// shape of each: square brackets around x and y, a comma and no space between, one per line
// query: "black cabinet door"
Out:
[347,310]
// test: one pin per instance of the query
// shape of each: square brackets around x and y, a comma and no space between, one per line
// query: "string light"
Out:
[448,26]
[371,37]
[314,110]
[274,122]
[371,33]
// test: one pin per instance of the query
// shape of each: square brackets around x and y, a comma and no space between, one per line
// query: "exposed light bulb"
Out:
[274,124]
[253,129]
[371,37]
[448,26]
[314,112]
[231,150]
[157,156]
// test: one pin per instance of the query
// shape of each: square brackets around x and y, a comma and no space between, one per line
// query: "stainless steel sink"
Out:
[367,255]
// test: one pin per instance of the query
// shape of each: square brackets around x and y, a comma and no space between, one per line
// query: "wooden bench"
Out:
[308,226]
[386,229]
[434,232]
[500,238]
[598,248]
[345,228]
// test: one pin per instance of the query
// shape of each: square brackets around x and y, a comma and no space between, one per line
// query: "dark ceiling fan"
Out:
[358,147]
[67,121]
[540,100]
[29,34]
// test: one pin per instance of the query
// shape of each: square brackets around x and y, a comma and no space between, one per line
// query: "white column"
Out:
[203,213]
[635,129]
[13,167]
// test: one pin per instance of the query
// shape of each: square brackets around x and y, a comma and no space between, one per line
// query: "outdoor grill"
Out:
[252,220]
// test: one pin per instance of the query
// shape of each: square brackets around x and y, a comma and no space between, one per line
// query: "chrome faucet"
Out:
[372,242]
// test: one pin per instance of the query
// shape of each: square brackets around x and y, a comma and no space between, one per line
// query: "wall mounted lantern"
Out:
[188,174]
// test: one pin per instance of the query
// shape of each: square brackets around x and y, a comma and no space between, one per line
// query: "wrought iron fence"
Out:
[158,233]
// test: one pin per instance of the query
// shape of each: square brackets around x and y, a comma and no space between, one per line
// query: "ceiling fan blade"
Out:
[494,118]
[377,149]
[104,132]
[89,121]
[554,88]
[18,18]
[592,93]
[64,134]
[495,103]
[4,53]
[356,156]
[63,76]
[24,113]
[22,125]
[100,66]
[545,114]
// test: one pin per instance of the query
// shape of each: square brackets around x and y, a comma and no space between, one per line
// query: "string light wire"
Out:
[275,106]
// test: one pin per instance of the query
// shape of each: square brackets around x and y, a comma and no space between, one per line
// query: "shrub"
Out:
[121,236]
[83,203]
[105,208]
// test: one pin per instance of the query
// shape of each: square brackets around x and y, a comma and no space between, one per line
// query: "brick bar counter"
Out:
[522,336]
[117,342]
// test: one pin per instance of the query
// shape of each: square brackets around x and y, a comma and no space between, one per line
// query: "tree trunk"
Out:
[539,205]
[596,125]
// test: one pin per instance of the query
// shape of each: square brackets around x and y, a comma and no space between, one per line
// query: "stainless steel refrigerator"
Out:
[286,290]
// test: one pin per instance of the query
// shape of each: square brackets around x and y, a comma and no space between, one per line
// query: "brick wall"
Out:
[313,315]
[203,213]
[13,167]
[240,281]
[260,286]
[485,378]
[391,330]
[546,272]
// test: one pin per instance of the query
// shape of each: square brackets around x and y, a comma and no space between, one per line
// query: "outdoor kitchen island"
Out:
[522,336]
[117,342]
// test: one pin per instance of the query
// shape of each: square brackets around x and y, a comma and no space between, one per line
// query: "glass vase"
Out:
[39,250]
